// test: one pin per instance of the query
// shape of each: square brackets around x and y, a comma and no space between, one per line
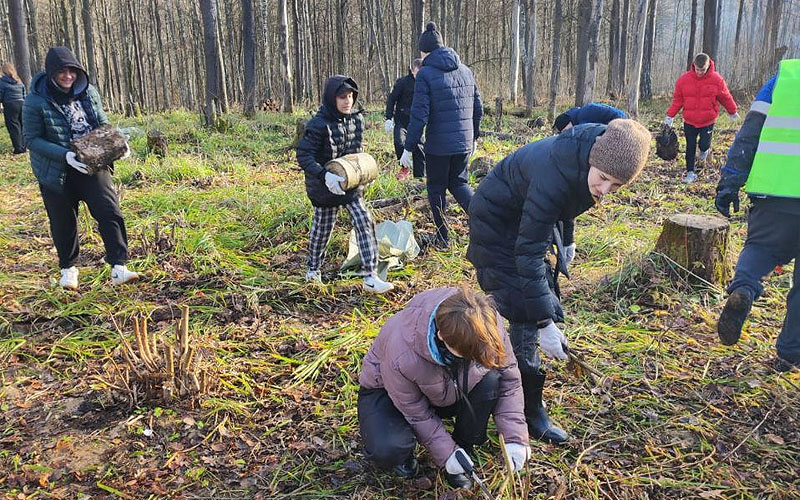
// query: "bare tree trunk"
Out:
[556,66]
[88,34]
[514,77]
[208,10]
[692,33]
[710,28]
[417,23]
[623,46]
[638,47]
[249,47]
[457,25]
[33,33]
[646,86]
[223,80]
[372,20]
[582,50]
[613,48]
[341,42]
[594,34]
[530,59]
[19,32]
[77,49]
[288,103]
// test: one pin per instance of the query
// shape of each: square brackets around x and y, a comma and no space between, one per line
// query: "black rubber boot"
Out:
[407,469]
[733,315]
[539,425]
[458,481]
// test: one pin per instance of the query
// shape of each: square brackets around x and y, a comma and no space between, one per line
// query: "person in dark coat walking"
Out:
[63,106]
[766,157]
[12,95]
[336,130]
[398,109]
[446,354]
[594,112]
[512,219]
[447,105]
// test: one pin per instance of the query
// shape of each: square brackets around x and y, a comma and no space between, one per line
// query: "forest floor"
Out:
[674,414]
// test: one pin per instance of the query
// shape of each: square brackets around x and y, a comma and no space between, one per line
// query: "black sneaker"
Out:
[783,366]
[458,481]
[407,469]
[733,315]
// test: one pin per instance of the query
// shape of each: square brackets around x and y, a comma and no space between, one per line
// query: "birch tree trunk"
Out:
[556,65]
[638,51]
[286,68]
[530,55]
[514,77]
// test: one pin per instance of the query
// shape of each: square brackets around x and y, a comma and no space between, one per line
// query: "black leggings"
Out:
[12,113]
[388,437]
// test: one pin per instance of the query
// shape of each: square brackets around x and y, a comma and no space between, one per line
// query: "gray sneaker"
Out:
[690,177]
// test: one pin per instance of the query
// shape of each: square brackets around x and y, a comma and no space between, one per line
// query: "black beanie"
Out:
[430,39]
[562,121]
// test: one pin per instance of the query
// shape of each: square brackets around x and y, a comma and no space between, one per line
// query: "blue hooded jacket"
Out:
[594,112]
[446,104]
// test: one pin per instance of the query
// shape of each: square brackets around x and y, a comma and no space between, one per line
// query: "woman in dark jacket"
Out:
[336,130]
[12,95]
[446,354]
[512,219]
[62,107]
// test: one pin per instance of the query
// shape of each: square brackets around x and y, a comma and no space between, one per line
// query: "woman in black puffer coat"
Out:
[12,95]
[512,218]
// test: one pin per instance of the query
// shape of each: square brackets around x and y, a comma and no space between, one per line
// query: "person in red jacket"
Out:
[699,92]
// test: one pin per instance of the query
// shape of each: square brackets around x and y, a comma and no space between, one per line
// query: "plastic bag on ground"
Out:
[396,247]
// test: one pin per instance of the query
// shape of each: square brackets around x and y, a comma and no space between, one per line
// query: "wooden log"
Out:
[699,244]
[157,143]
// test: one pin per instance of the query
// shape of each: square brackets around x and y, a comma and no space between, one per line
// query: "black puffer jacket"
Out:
[13,91]
[330,134]
[398,104]
[512,215]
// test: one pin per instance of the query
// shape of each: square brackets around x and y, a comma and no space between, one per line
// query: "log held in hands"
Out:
[698,243]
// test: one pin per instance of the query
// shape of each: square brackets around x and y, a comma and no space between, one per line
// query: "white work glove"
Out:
[127,153]
[519,454]
[551,341]
[735,117]
[569,254]
[668,121]
[389,126]
[73,162]
[452,466]
[407,160]
[474,149]
[332,181]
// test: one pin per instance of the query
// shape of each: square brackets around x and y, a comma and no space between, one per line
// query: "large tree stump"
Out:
[698,243]
[157,143]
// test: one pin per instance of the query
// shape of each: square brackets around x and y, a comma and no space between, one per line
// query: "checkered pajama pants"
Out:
[322,227]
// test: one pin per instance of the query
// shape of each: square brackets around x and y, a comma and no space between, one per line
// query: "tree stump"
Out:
[699,244]
[157,143]
[299,131]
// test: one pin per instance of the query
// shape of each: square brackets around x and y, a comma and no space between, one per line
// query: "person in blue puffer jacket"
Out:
[12,95]
[447,105]
[594,112]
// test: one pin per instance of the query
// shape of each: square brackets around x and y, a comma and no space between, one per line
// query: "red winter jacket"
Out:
[700,97]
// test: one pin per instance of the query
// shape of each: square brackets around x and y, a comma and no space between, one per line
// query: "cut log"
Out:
[157,143]
[699,244]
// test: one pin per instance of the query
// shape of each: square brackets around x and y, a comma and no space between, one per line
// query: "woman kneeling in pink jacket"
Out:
[447,354]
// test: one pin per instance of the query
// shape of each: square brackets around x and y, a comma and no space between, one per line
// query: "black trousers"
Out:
[388,438]
[418,154]
[447,173]
[12,113]
[98,193]
[692,135]
[773,237]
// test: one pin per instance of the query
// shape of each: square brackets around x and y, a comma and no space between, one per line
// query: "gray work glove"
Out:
[73,162]
[519,454]
[453,466]
[552,341]
[389,126]
[407,160]
[332,181]
[668,121]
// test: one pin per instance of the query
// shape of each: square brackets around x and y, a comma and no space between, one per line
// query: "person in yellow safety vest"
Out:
[766,156]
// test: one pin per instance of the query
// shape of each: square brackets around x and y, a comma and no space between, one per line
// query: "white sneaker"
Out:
[314,276]
[121,274]
[69,278]
[374,284]
[690,177]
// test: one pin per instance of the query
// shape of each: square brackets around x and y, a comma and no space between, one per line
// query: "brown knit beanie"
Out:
[622,150]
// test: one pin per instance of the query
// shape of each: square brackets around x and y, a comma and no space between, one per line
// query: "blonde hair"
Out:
[467,322]
[9,70]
